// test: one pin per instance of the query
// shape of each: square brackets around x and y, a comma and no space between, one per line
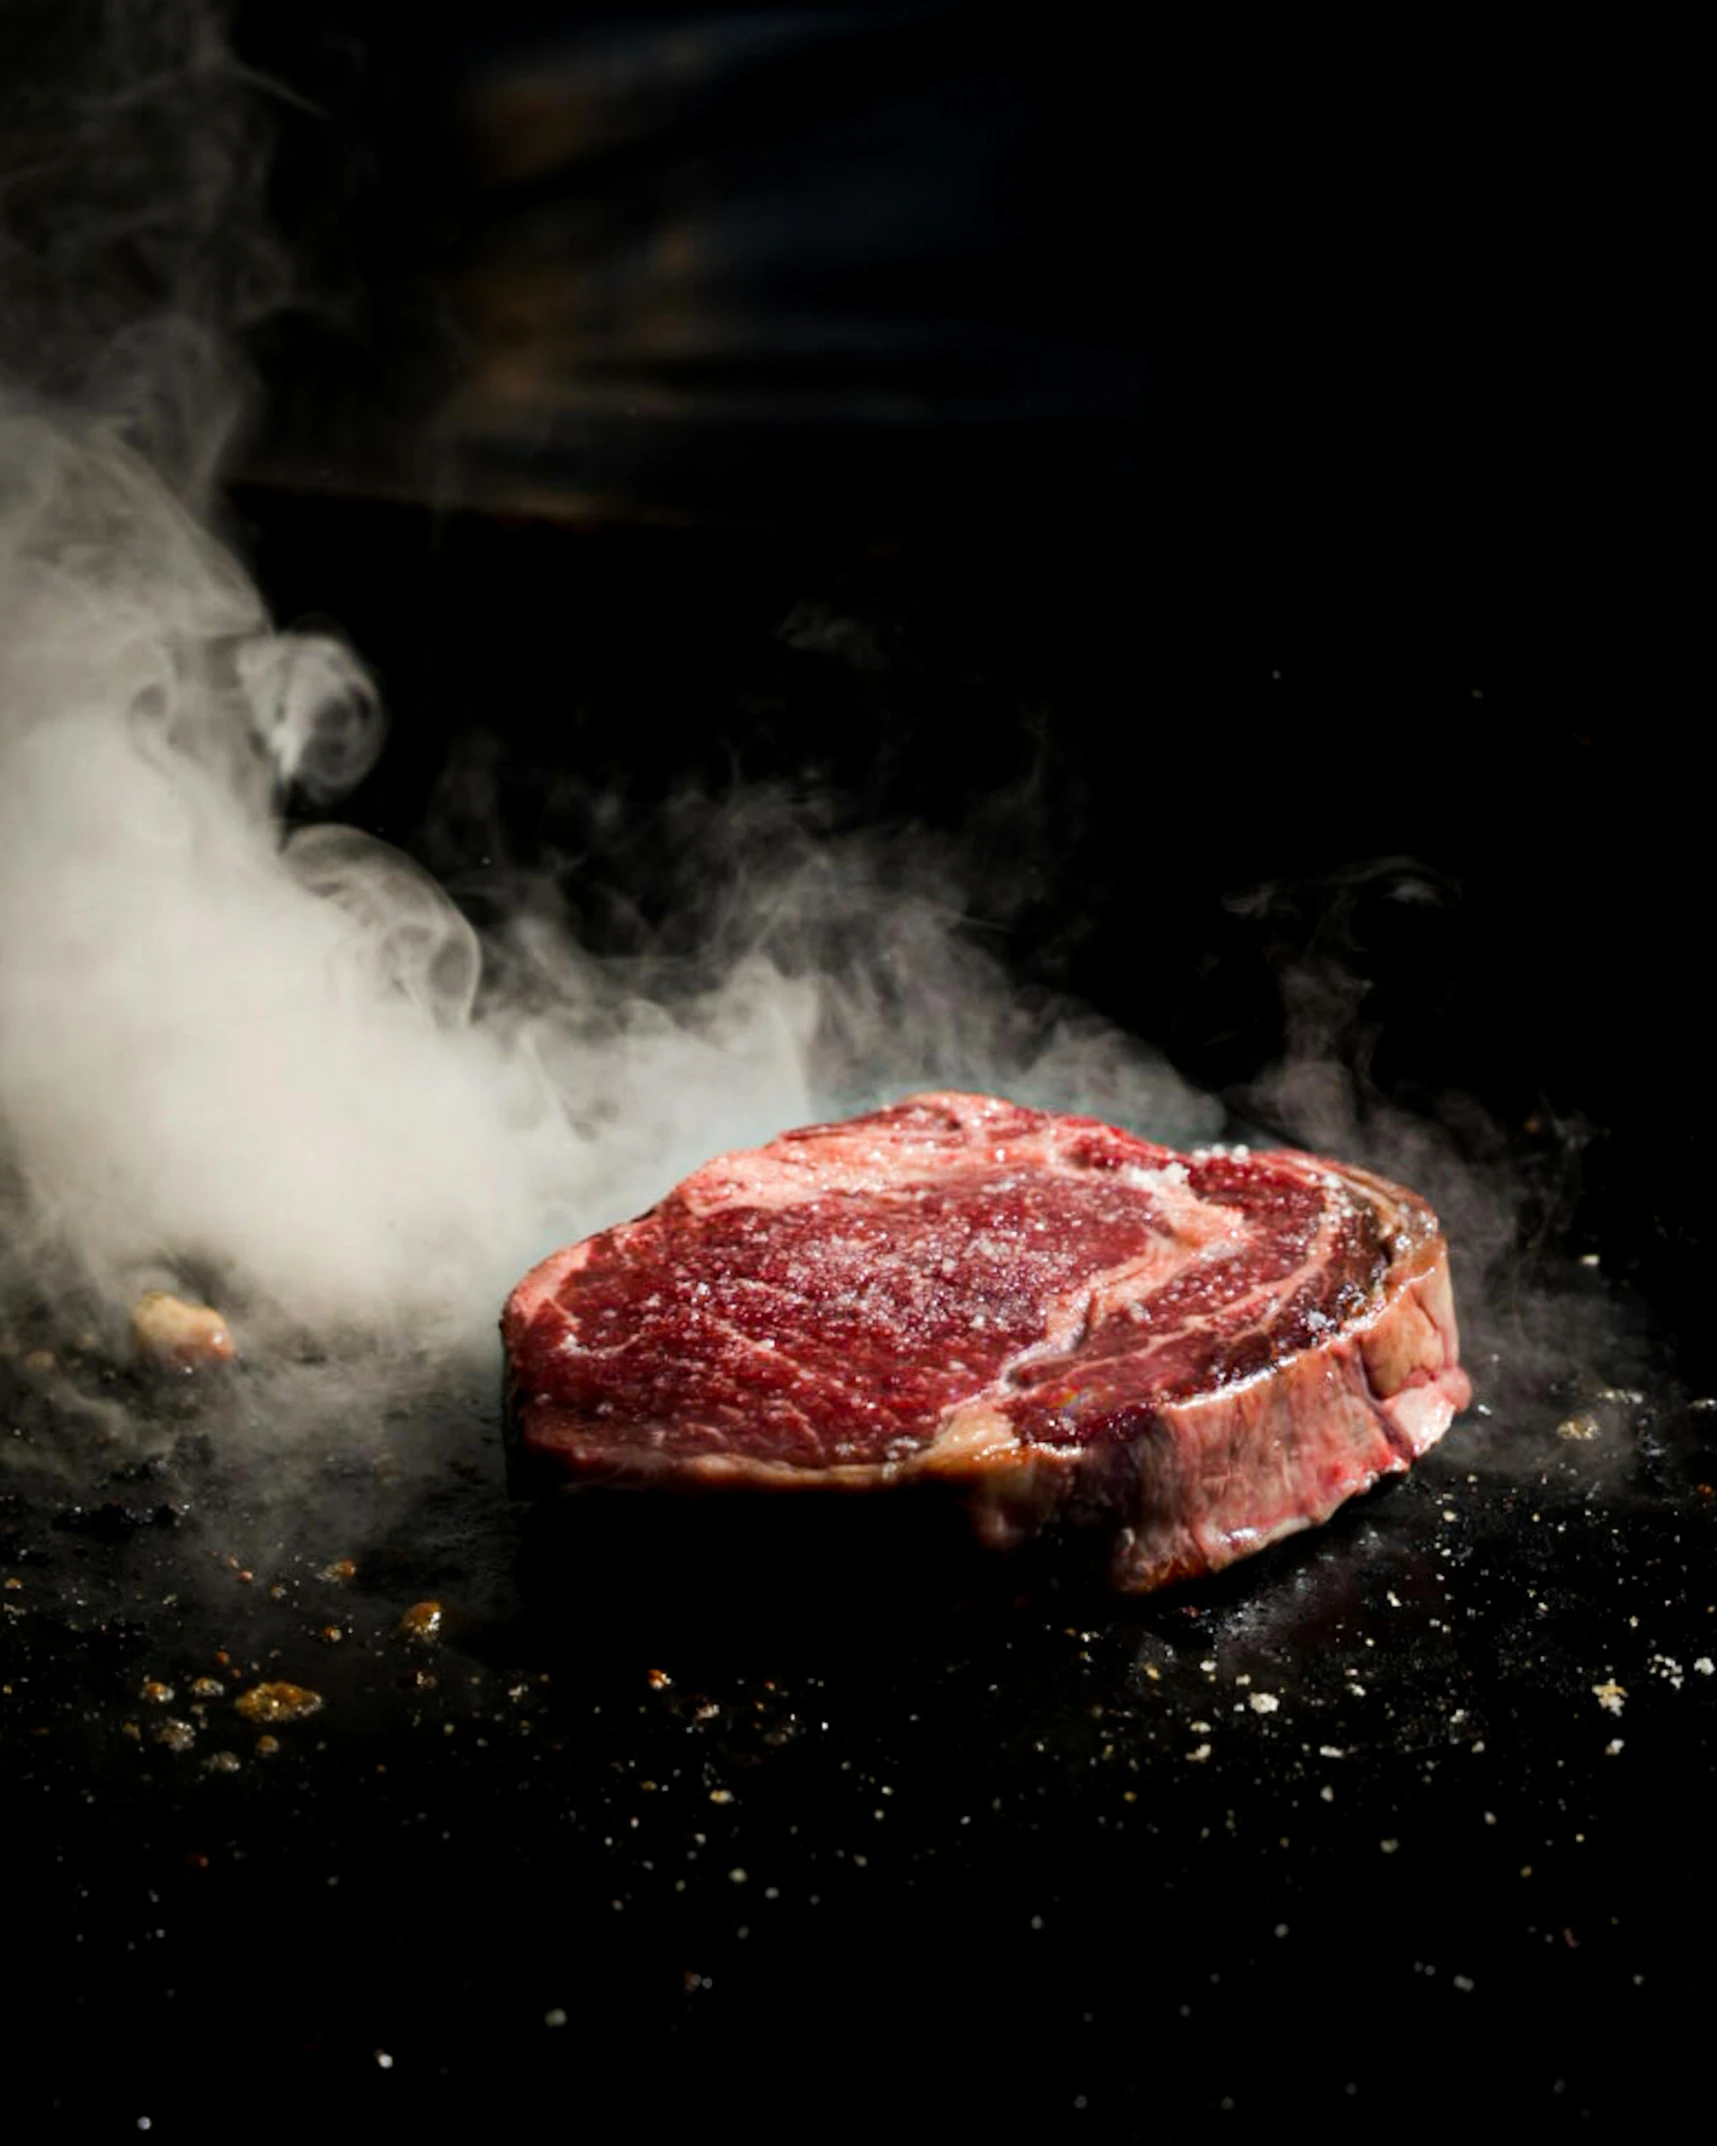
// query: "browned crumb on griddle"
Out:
[422,1621]
[278,1701]
[173,1335]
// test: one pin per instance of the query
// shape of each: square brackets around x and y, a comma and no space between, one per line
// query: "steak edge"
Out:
[1203,1352]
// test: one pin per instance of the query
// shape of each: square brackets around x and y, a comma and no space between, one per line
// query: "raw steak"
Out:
[1206,1351]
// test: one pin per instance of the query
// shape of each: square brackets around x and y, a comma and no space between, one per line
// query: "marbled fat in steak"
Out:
[1207,1351]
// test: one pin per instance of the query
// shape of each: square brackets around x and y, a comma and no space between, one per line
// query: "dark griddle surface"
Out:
[817,1814]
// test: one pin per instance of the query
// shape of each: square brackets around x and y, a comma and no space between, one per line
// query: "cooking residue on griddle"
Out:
[277,1702]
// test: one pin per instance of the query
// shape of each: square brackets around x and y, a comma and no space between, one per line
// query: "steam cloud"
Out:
[276,1066]
[270,1060]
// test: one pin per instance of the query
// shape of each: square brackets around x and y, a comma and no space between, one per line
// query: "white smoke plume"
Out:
[255,1057]
[275,1064]
[269,1060]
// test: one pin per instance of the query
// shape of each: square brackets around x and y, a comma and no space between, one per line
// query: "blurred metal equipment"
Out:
[853,267]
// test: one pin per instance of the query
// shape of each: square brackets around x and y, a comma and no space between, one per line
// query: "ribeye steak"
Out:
[1206,1351]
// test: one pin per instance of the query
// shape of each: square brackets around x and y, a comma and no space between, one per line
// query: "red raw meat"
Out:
[1205,1351]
